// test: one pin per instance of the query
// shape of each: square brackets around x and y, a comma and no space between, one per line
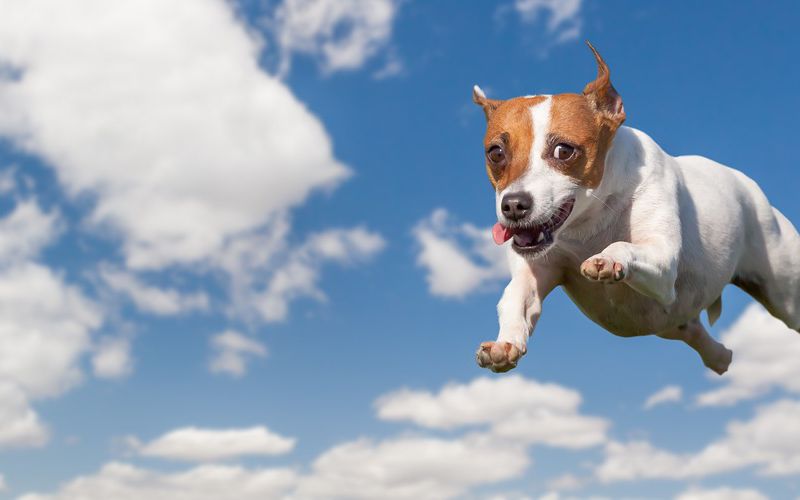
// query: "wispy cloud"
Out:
[459,258]
[668,394]
[422,466]
[194,444]
[770,442]
[341,34]
[231,351]
[765,357]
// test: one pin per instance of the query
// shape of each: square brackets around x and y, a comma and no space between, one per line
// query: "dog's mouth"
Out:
[533,238]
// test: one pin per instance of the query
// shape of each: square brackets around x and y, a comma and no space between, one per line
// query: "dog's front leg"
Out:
[649,268]
[518,311]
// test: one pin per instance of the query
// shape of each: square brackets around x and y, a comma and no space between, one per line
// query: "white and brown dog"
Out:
[641,241]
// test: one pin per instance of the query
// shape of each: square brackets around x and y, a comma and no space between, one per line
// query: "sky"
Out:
[245,253]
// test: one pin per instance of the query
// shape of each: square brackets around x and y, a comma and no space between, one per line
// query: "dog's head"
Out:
[544,154]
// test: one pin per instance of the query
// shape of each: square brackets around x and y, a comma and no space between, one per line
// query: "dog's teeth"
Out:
[540,238]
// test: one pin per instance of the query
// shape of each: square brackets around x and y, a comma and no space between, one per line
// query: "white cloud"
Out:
[766,354]
[45,324]
[8,181]
[112,358]
[423,468]
[722,493]
[25,231]
[393,67]
[668,394]
[405,466]
[180,137]
[19,424]
[566,482]
[400,468]
[342,34]
[151,299]
[194,444]
[770,441]
[521,410]
[640,460]
[563,16]
[231,350]
[45,327]
[459,258]
[191,155]
[299,274]
[122,481]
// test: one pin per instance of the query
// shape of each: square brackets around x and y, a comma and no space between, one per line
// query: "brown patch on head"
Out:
[510,127]
[573,122]
[588,123]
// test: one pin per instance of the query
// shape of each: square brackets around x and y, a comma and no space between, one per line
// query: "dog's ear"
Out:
[488,105]
[601,94]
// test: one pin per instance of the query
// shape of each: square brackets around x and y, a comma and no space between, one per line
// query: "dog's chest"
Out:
[622,310]
[618,308]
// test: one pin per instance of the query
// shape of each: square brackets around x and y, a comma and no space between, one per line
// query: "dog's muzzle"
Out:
[535,237]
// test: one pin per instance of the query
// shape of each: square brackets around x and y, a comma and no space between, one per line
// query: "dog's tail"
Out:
[714,311]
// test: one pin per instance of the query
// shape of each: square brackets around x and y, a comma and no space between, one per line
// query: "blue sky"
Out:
[245,253]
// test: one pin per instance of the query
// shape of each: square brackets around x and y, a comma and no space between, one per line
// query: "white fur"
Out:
[681,227]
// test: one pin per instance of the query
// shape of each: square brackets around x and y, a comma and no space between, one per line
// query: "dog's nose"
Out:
[515,206]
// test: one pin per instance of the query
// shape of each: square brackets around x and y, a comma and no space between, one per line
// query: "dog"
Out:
[641,241]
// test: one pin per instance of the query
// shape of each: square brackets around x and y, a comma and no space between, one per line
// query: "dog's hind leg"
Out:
[770,269]
[714,355]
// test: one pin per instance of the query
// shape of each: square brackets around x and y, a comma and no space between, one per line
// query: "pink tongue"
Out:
[501,233]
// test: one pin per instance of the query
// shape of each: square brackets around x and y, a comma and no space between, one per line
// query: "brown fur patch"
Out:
[511,126]
[573,122]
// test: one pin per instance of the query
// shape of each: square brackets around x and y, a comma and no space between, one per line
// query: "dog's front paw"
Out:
[603,269]
[498,356]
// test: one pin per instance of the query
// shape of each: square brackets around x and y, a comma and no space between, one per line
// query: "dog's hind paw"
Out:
[498,356]
[721,361]
[603,269]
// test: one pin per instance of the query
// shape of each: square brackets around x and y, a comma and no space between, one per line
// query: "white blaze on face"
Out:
[548,187]
[541,181]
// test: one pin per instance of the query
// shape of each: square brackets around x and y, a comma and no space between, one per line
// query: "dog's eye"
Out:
[563,152]
[496,155]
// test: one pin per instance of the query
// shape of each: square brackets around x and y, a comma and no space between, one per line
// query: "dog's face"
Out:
[544,154]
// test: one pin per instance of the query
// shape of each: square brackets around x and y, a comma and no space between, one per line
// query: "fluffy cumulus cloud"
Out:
[408,465]
[112,357]
[46,324]
[513,407]
[668,394]
[459,258]
[562,17]
[45,327]
[765,354]
[517,411]
[413,467]
[122,481]
[769,442]
[191,155]
[26,230]
[19,424]
[424,468]
[231,351]
[194,444]
[152,299]
[300,271]
[342,34]
[723,493]
[183,149]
